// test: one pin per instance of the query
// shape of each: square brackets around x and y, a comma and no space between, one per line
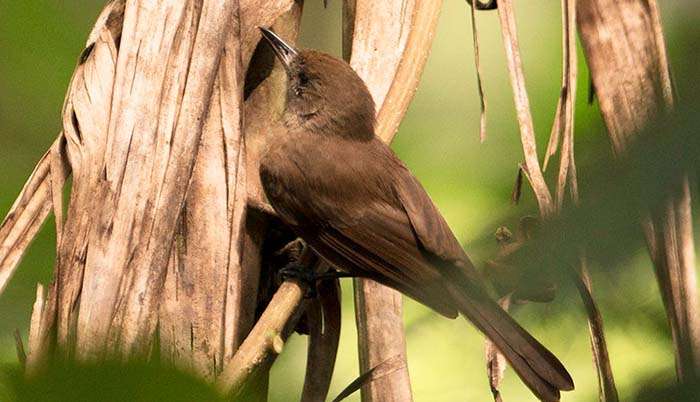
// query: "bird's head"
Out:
[324,94]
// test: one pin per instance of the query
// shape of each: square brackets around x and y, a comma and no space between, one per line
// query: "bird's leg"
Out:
[333,274]
[303,274]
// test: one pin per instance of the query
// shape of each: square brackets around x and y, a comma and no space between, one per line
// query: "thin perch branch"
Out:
[264,340]
[260,344]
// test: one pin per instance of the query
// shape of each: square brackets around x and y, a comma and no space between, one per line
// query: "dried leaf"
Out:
[19,346]
[567,101]
[495,362]
[31,209]
[36,343]
[606,382]
[482,97]
[522,106]
[517,187]
[554,134]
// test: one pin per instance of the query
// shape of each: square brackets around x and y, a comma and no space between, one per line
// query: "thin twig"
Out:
[517,186]
[567,173]
[258,346]
[555,133]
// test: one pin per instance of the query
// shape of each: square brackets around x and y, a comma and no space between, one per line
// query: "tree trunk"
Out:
[155,241]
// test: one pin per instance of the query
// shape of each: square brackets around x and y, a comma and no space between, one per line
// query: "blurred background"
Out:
[470,182]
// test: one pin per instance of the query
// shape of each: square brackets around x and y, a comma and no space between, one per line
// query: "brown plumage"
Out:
[356,204]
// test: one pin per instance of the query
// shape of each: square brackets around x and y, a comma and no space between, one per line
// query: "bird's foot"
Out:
[307,277]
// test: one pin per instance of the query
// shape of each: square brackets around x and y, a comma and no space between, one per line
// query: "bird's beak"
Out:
[284,52]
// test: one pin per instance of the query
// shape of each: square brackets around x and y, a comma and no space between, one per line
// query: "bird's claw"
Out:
[304,275]
[307,277]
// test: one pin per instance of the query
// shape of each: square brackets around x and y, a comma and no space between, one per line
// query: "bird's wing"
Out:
[380,245]
[434,234]
[379,223]
[430,227]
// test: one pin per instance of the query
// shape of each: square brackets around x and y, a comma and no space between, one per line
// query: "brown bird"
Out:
[344,192]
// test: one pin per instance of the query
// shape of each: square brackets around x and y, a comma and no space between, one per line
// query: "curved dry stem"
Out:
[390,59]
[38,197]
[324,316]
[496,363]
[522,106]
[477,63]
[563,127]
[607,391]
[567,165]
[410,68]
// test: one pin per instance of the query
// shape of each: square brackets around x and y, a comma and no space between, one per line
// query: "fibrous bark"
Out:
[154,241]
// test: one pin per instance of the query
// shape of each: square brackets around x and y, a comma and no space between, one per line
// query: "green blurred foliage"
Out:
[471,183]
[134,382]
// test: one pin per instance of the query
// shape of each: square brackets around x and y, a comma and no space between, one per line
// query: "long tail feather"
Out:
[539,369]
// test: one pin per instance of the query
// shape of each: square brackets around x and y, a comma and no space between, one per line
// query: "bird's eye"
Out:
[303,78]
